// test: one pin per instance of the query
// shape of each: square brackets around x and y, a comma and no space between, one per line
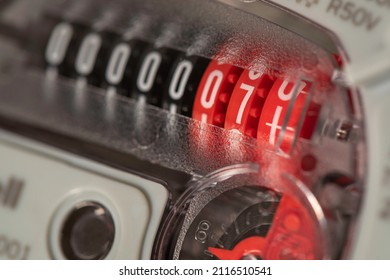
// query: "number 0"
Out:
[208,98]
[58,43]
[148,71]
[180,79]
[116,66]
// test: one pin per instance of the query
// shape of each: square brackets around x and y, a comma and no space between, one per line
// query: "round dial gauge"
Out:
[251,222]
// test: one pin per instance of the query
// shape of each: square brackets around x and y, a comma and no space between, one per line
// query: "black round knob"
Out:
[88,232]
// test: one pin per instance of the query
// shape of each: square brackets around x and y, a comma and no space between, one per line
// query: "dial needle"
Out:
[249,246]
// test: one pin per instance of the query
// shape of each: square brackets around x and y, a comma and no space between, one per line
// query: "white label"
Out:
[148,71]
[30,229]
[117,64]
[58,43]
[86,57]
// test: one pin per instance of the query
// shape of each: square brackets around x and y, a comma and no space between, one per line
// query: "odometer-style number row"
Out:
[253,103]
